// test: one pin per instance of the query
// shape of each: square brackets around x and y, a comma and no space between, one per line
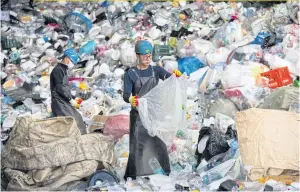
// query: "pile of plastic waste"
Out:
[237,56]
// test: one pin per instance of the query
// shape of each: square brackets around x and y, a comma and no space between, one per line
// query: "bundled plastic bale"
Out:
[117,126]
[162,113]
[189,65]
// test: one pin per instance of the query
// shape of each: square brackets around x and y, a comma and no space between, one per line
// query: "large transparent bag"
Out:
[162,110]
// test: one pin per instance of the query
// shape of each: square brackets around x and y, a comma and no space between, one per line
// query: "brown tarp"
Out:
[269,141]
[46,154]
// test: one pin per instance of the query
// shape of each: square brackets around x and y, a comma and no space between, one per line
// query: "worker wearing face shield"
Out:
[138,81]
[62,101]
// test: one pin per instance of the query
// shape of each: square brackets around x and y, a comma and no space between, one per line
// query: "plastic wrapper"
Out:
[223,106]
[293,11]
[236,75]
[117,126]
[122,147]
[247,96]
[246,53]
[228,34]
[217,56]
[212,79]
[163,114]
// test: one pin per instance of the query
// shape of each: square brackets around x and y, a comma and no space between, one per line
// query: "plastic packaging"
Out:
[276,62]
[87,48]
[117,126]
[217,172]
[189,65]
[163,114]
[161,50]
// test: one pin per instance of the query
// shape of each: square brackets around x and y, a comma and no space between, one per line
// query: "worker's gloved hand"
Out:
[177,73]
[134,101]
[75,104]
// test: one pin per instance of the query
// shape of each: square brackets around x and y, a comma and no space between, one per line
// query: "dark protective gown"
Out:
[61,96]
[142,145]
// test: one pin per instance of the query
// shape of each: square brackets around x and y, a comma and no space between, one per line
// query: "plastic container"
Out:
[208,178]
[278,77]
[87,48]
[155,166]
[161,50]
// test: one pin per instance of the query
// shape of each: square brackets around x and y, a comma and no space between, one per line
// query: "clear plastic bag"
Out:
[248,96]
[162,110]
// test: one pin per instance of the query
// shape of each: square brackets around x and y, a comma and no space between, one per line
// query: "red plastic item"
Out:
[278,77]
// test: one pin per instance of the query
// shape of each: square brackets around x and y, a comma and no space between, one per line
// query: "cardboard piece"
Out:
[268,139]
[98,123]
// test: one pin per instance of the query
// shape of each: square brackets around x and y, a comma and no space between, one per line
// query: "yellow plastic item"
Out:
[188,116]
[262,180]
[182,17]
[26,18]
[44,73]
[175,4]
[77,106]
[173,42]
[83,86]
[8,84]
[125,154]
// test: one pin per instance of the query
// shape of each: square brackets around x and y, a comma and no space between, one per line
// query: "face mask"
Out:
[71,65]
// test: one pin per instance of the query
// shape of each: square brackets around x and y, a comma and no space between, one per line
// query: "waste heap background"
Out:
[242,108]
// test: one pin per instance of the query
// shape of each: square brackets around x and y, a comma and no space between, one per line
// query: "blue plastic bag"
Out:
[189,65]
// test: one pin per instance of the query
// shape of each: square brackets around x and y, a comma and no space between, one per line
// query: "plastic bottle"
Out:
[87,48]
[208,178]
[296,82]
[155,166]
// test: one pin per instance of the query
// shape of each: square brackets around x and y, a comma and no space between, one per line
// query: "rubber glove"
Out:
[134,101]
[75,103]
[177,73]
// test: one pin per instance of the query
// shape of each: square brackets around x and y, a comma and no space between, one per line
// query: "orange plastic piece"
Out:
[182,16]
[278,77]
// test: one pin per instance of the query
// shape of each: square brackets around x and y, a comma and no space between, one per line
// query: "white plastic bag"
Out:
[162,110]
[217,56]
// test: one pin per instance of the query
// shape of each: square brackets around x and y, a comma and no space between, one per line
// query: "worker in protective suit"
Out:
[138,81]
[63,103]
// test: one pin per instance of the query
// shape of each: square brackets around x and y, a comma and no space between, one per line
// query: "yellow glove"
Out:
[134,101]
[74,104]
[177,73]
